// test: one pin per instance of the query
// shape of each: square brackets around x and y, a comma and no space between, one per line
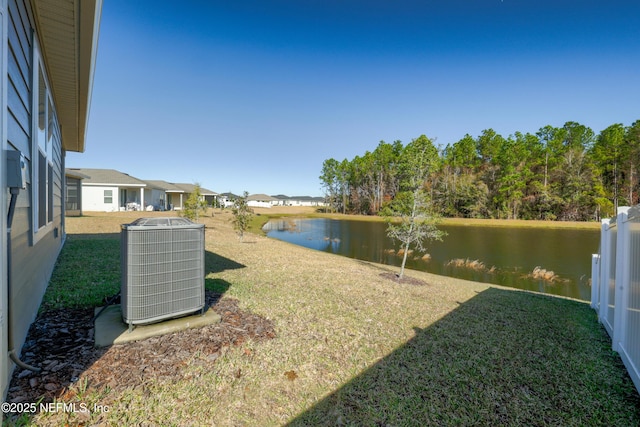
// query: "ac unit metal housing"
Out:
[162,268]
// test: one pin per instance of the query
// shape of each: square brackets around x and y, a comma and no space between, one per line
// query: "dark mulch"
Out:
[61,343]
[407,280]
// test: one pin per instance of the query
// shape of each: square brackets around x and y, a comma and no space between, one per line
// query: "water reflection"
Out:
[500,255]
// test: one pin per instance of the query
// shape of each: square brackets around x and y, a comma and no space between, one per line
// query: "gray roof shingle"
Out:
[107,177]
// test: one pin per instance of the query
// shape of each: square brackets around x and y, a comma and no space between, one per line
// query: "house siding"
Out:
[154,197]
[33,256]
[93,198]
[19,64]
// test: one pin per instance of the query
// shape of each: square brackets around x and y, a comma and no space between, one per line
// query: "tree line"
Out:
[566,173]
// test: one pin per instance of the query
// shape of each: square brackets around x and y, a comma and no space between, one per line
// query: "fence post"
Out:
[603,282]
[595,281]
[622,277]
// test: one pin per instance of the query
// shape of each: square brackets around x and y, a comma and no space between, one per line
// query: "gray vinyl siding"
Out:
[19,65]
[32,261]
[58,175]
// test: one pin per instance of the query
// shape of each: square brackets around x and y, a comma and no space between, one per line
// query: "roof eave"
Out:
[69,42]
[114,184]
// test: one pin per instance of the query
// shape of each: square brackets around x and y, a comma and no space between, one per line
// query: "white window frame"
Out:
[41,144]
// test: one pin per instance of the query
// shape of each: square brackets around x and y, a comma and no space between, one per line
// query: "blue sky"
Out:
[255,94]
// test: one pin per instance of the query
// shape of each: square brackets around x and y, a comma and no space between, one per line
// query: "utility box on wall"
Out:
[16,170]
[162,268]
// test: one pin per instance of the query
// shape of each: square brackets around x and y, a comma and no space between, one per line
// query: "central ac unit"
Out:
[162,261]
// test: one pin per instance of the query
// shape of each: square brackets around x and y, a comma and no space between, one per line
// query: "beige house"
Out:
[178,193]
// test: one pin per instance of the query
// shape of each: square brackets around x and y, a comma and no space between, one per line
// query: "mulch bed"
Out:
[61,343]
[407,280]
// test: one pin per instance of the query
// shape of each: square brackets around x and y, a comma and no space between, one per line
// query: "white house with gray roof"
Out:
[109,190]
[284,200]
[261,201]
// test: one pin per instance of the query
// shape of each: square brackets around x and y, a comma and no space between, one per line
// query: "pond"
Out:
[555,261]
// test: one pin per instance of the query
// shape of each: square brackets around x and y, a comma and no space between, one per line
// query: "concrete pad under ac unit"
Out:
[110,328]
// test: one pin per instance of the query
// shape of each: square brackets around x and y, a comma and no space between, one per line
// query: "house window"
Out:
[71,201]
[51,131]
[108,197]
[46,141]
[41,137]
[49,192]
[42,190]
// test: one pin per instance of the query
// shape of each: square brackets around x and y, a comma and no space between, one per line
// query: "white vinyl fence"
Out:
[615,285]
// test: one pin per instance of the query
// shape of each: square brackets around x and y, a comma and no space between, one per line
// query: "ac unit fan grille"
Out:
[163,272]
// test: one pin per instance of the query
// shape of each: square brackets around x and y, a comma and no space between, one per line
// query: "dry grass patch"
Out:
[546,275]
[474,264]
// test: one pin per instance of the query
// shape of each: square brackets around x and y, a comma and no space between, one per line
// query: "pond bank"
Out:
[263,215]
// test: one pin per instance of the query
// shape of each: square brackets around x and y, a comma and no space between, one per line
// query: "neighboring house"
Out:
[206,195]
[283,200]
[261,201]
[73,192]
[178,193]
[299,200]
[227,199]
[306,201]
[109,190]
[172,194]
[48,53]
[155,198]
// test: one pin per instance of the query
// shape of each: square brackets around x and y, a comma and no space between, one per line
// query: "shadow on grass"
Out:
[214,263]
[501,358]
[93,236]
[216,289]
